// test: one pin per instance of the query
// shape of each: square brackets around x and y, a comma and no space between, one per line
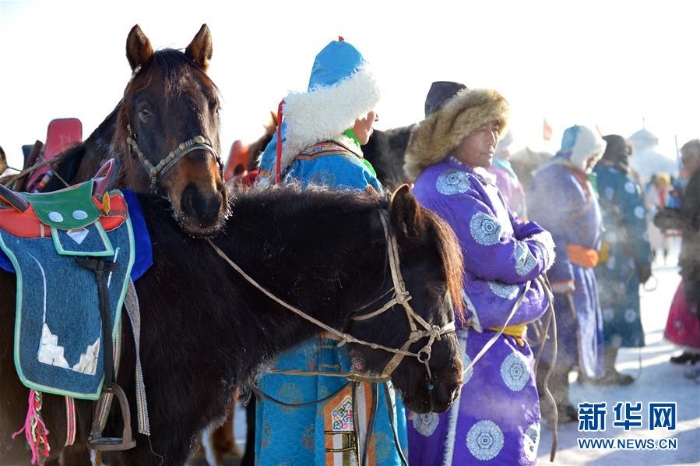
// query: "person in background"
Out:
[657,198]
[506,178]
[321,422]
[625,259]
[563,200]
[682,325]
[496,418]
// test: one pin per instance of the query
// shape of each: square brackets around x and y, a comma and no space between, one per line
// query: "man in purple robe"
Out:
[496,418]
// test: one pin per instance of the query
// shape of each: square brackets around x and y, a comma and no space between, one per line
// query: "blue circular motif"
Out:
[503,290]
[324,177]
[531,441]
[608,193]
[514,372]
[383,447]
[608,314]
[485,440]
[525,261]
[485,229]
[453,182]
[290,393]
[426,424]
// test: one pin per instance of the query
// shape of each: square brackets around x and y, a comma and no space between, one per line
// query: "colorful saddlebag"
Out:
[59,345]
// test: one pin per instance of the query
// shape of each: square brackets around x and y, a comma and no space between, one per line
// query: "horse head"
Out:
[424,278]
[169,123]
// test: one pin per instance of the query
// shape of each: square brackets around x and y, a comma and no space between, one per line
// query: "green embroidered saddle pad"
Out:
[58,330]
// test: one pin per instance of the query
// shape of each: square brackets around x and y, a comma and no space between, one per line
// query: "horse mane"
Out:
[310,204]
[452,259]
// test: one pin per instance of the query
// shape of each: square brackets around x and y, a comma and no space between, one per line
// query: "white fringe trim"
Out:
[325,112]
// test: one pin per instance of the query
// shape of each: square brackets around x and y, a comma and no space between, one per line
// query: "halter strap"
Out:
[402,297]
[184,148]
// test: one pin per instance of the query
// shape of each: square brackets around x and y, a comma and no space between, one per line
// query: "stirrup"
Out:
[100,443]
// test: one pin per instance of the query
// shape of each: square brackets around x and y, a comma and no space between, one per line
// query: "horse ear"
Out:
[405,212]
[138,48]
[200,49]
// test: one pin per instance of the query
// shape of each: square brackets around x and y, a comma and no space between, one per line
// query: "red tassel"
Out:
[35,430]
[278,176]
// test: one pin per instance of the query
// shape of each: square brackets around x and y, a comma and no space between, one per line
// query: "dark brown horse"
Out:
[164,132]
[205,328]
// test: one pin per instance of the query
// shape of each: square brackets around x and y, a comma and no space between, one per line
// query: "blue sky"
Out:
[616,64]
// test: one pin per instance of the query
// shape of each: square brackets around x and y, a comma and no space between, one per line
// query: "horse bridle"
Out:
[401,296]
[156,171]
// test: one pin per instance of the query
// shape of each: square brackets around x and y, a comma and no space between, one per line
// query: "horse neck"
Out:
[323,261]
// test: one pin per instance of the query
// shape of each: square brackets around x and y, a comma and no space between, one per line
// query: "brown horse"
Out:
[164,132]
[205,326]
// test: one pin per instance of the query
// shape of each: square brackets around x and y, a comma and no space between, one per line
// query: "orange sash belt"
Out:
[587,258]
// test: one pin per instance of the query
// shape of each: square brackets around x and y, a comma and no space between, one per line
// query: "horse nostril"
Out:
[195,204]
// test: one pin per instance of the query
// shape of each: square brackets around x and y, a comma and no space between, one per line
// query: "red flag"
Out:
[546,130]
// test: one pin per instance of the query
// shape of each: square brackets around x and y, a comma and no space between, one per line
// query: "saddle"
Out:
[72,252]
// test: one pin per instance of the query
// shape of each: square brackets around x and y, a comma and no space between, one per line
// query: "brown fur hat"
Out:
[440,132]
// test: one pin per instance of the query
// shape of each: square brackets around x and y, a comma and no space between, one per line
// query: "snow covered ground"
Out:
[657,381]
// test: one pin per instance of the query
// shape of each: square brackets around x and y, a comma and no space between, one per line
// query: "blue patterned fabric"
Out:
[627,240]
[345,169]
[342,171]
[496,418]
[306,435]
[58,334]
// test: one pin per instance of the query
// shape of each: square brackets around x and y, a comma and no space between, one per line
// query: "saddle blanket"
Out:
[58,329]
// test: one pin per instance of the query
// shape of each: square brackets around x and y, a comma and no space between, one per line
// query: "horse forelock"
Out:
[451,255]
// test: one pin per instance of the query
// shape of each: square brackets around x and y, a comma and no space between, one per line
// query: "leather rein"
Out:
[419,327]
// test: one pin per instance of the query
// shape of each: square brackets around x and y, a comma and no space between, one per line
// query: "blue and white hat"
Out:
[341,89]
[579,143]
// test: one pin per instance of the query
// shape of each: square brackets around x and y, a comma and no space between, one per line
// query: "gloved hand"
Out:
[644,273]
[563,287]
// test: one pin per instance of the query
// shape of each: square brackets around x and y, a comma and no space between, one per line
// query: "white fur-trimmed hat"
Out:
[579,143]
[341,89]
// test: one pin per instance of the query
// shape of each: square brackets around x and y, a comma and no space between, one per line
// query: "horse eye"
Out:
[437,289]
[144,115]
